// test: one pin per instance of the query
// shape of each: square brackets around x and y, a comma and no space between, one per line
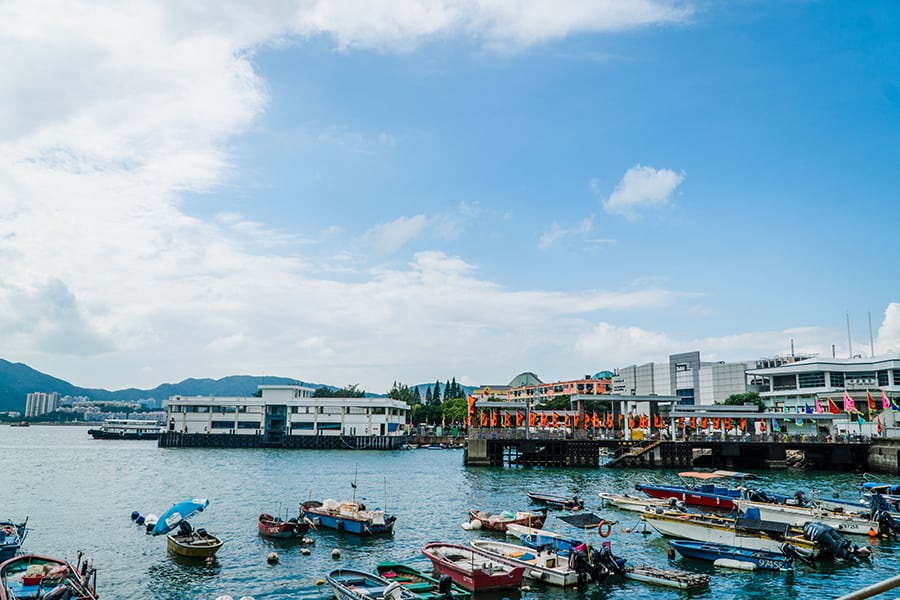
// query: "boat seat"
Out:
[20,591]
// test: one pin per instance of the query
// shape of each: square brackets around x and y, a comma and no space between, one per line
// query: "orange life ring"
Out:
[604,528]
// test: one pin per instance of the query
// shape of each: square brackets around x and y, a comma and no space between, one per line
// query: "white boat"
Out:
[797,516]
[632,503]
[546,566]
[127,429]
[731,532]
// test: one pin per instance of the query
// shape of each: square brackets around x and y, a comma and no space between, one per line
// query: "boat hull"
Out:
[688,496]
[423,586]
[472,569]
[772,561]
[546,566]
[18,573]
[351,584]
[194,544]
[796,516]
[499,523]
[350,524]
[555,501]
[13,536]
[273,527]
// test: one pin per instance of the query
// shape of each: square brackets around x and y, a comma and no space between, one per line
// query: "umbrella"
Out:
[178,513]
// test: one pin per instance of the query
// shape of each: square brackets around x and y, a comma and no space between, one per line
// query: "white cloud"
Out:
[557,232]
[641,189]
[888,340]
[387,238]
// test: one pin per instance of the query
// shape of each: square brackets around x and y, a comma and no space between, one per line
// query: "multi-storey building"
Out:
[39,403]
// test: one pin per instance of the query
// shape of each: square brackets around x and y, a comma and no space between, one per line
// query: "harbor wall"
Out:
[173,439]
[884,456]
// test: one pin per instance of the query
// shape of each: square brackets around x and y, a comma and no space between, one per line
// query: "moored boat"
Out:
[479,519]
[473,569]
[12,536]
[543,538]
[557,501]
[544,565]
[186,541]
[35,577]
[276,527]
[635,503]
[422,585]
[352,584]
[759,559]
[709,495]
[797,516]
[349,516]
[127,429]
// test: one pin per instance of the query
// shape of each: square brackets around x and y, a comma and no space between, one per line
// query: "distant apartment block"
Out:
[39,403]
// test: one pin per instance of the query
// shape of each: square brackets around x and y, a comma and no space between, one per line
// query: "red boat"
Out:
[478,519]
[708,495]
[473,569]
[276,527]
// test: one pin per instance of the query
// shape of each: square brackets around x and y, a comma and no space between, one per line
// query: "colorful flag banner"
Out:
[833,407]
[819,408]
[849,405]
[871,400]
[885,403]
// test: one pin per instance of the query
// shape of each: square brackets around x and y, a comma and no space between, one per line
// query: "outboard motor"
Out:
[604,559]
[445,587]
[580,563]
[757,496]
[184,528]
[794,552]
[800,497]
[831,542]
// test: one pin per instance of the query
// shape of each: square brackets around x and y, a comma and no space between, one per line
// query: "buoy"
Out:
[210,560]
[226,597]
[272,558]
[730,563]
[467,525]
[247,598]
[873,533]
[134,515]
[526,588]
[320,581]
[139,520]
[628,530]
[574,509]
[304,551]
[336,553]
[671,552]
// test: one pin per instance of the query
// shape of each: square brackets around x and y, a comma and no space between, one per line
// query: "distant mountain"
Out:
[17,380]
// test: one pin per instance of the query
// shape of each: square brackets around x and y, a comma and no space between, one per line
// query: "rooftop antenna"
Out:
[849,341]
[871,339]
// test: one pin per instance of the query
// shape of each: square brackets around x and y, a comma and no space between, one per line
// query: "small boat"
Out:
[555,501]
[34,577]
[479,519]
[543,538]
[797,516]
[187,541]
[473,569]
[424,586]
[12,536]
[719,553]
[352,584]
[636,503]
[544,565]
[127,429]
[276,527]
[349,516]
[708,495]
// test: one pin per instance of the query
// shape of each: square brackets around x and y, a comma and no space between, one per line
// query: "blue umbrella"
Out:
[178,513]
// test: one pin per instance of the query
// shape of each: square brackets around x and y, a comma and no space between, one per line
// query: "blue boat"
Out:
[762,559]
[12,536]
[349,516]
[352,584]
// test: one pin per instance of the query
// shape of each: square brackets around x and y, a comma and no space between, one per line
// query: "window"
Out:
[331,426]
[811,380]
[222,425]
[837,379]
[303,426]
[784,382]
[883,379]
[248,425]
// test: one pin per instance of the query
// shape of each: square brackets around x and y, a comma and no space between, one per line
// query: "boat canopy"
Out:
[717,475]
[177,513]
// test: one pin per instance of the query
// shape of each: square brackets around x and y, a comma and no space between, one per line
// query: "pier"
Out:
[173,439]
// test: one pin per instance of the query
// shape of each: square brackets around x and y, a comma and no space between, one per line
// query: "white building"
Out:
[287,410]
[39,403]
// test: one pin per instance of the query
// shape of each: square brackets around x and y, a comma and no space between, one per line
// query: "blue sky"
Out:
[418,190]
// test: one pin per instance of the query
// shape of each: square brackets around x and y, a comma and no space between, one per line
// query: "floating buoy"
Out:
[873,533]
[272,558]
[304,551]
[526,588]
[336,553]
[210,560]
[671,552]
[730,563]
[226,597]
[139,520]
[247,598]
[134,515]
[308,541]
[320,581]
[574,509]
[628,530]
[475,524]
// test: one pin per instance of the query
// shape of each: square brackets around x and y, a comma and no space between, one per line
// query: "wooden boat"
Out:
[351,584]
[708,495]
[797,516]
[276,527]
[12,536]
[473,569]
[349,516]
[193,543]
[556,501]
[481,520]
[635,503]
[424,586]
[547,566]
[718,553]
[34,577]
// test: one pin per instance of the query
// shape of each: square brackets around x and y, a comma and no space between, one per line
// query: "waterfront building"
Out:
[528,388]
[40,403]
[287,411]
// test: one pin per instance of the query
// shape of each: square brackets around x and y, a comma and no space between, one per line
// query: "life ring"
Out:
[604,528]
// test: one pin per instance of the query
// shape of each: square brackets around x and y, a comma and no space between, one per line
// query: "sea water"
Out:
[79,493]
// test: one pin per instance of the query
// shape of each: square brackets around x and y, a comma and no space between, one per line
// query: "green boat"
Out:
[424,586]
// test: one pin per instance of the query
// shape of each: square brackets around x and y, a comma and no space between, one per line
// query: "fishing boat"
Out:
[127,429]
[545,565]
[35,577]
[348,516]
[473,569]
[186,541]
[543,538]
[556,501]
[708,495]
[12,536]
[637,503]
[351,584]
[797,516]
[479,519]
[424,586]
[276,527]
[731,556]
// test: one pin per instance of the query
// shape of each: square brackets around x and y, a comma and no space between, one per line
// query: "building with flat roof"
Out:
[40,403]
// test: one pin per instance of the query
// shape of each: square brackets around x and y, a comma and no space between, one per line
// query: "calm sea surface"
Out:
[78,494]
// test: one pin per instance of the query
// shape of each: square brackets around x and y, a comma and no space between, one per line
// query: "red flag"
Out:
[520,419]
[872,405]
[704,422]
[576,420]
[609,420]
[555,416]
[543,419]
[680,422]
[484,419]
[630,421]
[693,422]
[727,424]
[879,424]
[566,421]
[595,421]
[762,425]
[532,419]
[506,422]
[493,418]
[743,424]
[717,423]
[833,408]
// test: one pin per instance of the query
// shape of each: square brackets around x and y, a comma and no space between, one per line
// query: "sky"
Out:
[362,193]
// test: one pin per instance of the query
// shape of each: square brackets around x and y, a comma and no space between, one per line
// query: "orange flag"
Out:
[520,419]
[555,417]
[727,424]
[717,423]
[595,421]
[543,419]
[704,422]
[743,424]
[585,422]
[566,422]
[762,425]
[609,420]
[630,421]
[484,419]
[506,422]
[493,418]
[532,419]
[693,422]
[680,422]
[576,420]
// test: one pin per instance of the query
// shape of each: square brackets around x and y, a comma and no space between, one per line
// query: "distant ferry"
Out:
[127,429]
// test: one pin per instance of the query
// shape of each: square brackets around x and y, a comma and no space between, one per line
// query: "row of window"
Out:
[322,410]
[816,379]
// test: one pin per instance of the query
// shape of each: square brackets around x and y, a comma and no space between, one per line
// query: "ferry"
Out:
[127,429]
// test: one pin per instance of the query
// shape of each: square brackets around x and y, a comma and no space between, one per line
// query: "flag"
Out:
[471,402]
[743,424]
[520,419]
[894,405]
[595,421]
[885,403]
[555,418]
[717,423]
[879,424]
[819,408]
[833,407]
[680,422]
[566,421]
[727,424]
[775,425]
[506,422]
[586,421]
[808,408]
[543,419]
[493,418]
[762,425]
[630,421]
[849,405]
[609,420]
[576,420]
[704,422]
[872,405]
[693,422]
[484,419]
[532,419]
[860,419]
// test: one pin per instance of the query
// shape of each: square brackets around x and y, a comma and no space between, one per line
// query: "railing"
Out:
[874,589]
